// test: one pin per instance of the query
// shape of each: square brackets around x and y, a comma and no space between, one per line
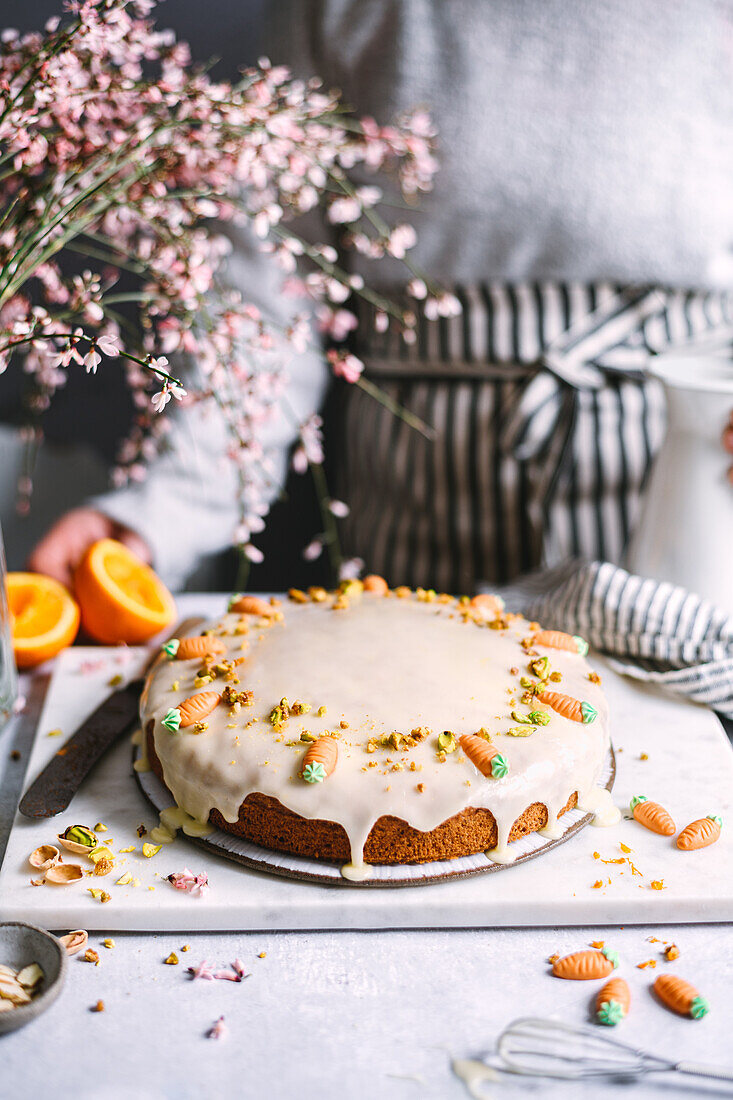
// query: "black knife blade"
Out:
[52,791]
[59,781]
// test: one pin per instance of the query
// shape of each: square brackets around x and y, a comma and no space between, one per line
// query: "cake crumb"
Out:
[658,884]
[650,963]
[262,955]
[109,943]
[671,952]
[420,788]
[91,956]
[643,755]
[597,884]
[172,959]
[98,1007]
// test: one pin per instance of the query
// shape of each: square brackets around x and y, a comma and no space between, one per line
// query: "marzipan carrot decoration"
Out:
[203,645]
[485,601]
[376,585]
[485,756]
[556,639]
[612,1002]
[320,760]
[574,709]
[251,605]
[680,996]
[700,833]
[652,816]
[191,710]
[584,966]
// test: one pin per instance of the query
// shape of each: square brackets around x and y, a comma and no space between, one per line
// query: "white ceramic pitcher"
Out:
[685,531]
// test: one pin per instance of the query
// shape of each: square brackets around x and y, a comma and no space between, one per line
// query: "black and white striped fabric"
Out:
[543,429]
[656,632]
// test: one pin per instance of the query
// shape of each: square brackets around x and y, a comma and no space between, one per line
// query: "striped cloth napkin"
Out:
[654,631]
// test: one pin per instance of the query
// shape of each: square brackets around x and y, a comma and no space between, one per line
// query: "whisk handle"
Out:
[696,1069]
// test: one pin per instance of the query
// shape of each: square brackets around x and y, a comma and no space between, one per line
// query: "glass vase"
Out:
[8,679]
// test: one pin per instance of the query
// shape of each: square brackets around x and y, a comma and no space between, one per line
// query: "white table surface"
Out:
[336,1014]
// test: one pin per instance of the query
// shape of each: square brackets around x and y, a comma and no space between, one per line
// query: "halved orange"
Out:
[44,616]
[121,598]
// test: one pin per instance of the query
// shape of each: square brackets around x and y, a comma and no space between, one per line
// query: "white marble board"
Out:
[689,769]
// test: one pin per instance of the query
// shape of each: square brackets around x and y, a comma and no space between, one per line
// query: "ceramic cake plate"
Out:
[405,874]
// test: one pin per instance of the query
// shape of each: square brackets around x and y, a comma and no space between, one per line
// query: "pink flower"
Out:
[218,1030]
[345,365]
[92,359]
[350,569]
[313,550]
[203,971]
[253,553]
[108,345]
[336,323]
[401,239]
[344,210]
[197,885]
[338,508]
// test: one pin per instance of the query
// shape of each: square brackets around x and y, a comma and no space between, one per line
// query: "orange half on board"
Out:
[44,616]
[121,598]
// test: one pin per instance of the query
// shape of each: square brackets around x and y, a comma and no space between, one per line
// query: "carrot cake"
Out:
[371,725]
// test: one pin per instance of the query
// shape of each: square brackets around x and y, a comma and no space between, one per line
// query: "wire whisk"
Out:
[551,1048]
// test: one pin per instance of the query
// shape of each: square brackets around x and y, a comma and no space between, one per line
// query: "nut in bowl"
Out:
[22,946]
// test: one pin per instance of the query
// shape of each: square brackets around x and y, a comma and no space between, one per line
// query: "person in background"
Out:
[581,218]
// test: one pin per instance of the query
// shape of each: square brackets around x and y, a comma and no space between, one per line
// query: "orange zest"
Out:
[45,617]
[121,598]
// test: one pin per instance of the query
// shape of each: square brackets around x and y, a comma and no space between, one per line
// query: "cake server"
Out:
[52,791]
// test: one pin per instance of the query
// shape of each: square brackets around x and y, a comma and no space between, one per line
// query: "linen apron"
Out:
[543,429]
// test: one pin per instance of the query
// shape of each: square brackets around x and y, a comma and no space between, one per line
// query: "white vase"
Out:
[685,531]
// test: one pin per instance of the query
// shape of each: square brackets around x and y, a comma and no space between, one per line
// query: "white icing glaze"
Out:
[553,830]
[383,664]
[174,818]
[502,853]
[599,802]
[141,764]
[356,872]
[474,1074]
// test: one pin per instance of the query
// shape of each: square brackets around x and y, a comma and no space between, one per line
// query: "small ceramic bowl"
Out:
[20,945]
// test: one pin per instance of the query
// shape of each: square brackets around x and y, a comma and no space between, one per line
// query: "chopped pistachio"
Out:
[321,712]
[172,959]
[150,850]
[447,741]
[100,852]
[539,717]
[124,880]
[523,718]
[308,735]
[521,731]
[540,667]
